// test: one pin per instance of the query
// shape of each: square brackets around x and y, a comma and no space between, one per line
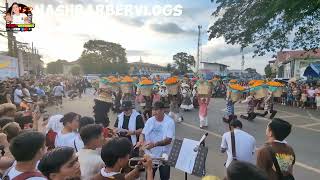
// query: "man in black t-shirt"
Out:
[129,123]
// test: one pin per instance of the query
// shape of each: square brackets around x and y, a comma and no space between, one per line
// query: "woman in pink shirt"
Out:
[203,111]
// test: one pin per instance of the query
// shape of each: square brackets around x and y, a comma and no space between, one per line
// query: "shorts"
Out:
[58,99]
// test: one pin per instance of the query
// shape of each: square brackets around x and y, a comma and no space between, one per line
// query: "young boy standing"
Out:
[203,111]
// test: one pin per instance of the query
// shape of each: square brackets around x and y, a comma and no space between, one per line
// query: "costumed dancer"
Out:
[195,96]
[103,103]
[126,85]
[116,98]
[164,97]
[186,104]
[116,95]
[155,94]
[146,90]
[250,109]
[260,104]
[268,106]
[175,112]
[203,111]
[140,101]
[229,114]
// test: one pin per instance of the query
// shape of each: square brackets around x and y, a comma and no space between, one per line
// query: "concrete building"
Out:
[248,73]
[234,72]
[141,68]
[213,68]
[291,64]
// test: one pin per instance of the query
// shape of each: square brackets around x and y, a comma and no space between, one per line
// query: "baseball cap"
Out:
[126,105]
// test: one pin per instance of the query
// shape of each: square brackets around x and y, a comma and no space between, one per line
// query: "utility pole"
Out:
[198,50]
[11,49]
[242,62]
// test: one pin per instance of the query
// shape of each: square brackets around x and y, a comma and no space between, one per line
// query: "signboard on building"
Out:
[8,67]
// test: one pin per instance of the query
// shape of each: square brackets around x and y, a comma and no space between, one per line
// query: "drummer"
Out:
[129,124]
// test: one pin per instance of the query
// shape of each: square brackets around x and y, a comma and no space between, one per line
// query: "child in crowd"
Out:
[284,97]
[296,96]
[303,99]
[203,111]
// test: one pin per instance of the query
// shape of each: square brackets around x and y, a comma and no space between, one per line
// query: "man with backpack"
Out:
[27,148]
[276,152]
[238,144]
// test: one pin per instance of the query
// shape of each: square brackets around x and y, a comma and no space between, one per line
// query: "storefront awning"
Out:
[313,70]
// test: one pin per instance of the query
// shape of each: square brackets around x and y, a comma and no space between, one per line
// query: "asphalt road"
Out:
[304,136]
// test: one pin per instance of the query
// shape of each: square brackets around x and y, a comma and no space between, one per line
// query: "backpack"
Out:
[22,176]
[276,165]
[50,139]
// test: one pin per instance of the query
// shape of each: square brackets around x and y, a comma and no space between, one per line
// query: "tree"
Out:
[184,62]
[268,71]
[104,57]
[169,67]
[75,70]
[268,25]
[56,67]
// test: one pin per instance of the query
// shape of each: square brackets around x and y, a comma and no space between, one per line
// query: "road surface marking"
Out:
[310,168]
[288,116]
[312,117]
[296,126]
[307,125]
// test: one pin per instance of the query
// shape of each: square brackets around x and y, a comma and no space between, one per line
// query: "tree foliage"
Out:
[184,62]
[268,25]
[268,71]
[104,57]
[56,67]
[75,70]
[171,68]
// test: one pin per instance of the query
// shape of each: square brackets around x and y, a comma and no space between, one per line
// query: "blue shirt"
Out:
[40,91]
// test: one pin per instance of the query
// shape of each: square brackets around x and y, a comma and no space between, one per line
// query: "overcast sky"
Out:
[156,39]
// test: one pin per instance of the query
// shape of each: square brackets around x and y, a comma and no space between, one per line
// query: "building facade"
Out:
[141,68]
[292,64]
[213,68]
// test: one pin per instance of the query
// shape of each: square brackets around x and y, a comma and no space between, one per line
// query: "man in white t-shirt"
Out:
[245,144]
[18,95]
[156,137]
[90,157]
[34,148]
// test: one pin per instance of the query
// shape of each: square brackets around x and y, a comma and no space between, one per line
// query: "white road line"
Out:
[312,117]
[297,126]
[307,125]
[292,116]
[310,168]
